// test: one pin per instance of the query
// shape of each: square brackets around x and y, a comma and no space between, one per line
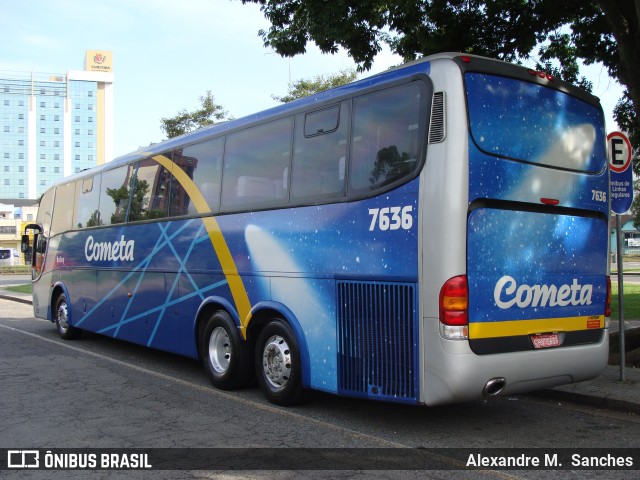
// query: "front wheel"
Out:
[278,368]
[61,312]
[226,357]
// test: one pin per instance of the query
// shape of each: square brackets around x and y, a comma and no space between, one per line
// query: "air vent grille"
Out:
[437,126]
[377,335]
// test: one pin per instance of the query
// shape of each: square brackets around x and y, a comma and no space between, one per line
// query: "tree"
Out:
[305,87]
[185,122]
[606,31]
[553,35]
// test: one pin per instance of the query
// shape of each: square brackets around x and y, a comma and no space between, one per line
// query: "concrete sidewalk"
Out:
[606,391]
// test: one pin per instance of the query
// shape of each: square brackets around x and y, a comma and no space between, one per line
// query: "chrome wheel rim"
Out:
[276,362]
[63,317]
[219,350]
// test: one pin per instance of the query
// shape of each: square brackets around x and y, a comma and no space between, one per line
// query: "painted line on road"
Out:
[266,408]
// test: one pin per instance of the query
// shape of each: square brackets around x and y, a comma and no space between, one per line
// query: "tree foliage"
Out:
[305,87]
[606,31]
[556,36]
[185,122]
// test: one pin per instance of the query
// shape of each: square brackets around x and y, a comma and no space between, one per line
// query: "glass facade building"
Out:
[52,126]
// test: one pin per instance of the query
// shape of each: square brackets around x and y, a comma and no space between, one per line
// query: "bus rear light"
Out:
[454,333]
[543,75]
[465,59]
[607,306]
[550,201]
[454,308]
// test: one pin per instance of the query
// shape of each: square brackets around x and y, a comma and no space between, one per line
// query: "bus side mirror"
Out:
[24,246]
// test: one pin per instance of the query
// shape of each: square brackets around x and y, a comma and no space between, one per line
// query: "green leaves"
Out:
[320,83]
[185,122]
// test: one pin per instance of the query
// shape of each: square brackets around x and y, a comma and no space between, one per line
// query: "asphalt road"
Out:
[98,392]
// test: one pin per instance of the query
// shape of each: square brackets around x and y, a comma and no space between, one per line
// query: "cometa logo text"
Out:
[109,251]
[508,293]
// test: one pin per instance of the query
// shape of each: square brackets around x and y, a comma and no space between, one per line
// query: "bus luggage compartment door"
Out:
[537,278]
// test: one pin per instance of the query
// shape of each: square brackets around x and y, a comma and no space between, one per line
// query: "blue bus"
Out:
[432,234]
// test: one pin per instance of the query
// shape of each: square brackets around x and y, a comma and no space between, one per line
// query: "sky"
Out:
[168,53]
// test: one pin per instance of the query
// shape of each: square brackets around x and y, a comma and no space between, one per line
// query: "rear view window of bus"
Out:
[526,121]
[388,129]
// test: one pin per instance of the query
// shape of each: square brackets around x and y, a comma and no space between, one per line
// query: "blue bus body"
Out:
[293,267]
[360,279]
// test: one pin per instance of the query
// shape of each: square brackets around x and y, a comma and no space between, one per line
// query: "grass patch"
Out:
[631,301]
[20,288]
[15,269]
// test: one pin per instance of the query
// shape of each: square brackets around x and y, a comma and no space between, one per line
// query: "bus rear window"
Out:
[529,122]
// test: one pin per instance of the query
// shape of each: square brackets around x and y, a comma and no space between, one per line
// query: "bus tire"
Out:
[226,357]
[61,319]
[277,364]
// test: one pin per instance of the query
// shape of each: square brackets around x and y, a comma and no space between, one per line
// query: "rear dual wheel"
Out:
[228,359]
[277,364]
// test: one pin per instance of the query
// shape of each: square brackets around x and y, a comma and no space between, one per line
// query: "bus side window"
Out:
[319,152]
[256,166]
[150,198]
[88,197]
[45,210]
[388,128]
[114,194]
[64,208]
[202,163]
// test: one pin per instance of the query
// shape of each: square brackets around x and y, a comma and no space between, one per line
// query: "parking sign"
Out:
[620,172]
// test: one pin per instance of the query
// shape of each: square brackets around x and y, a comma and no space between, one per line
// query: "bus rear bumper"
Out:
[459,375]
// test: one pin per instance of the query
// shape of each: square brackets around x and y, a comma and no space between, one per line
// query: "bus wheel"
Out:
[66,331]
[226,357]
[278,368]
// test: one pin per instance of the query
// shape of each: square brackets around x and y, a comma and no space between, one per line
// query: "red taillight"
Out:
[607,306]
[465,58]
[454,301]
[550,201]
[539,74]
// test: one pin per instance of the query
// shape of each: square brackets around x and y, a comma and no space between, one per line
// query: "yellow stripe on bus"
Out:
[512,328]
[238,291]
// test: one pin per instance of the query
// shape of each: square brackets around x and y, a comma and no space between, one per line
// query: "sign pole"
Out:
[620,296]
[620,155]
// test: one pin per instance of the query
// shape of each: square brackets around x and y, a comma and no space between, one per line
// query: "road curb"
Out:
[16,299]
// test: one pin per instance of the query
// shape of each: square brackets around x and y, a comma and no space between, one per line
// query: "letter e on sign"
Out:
[619,151]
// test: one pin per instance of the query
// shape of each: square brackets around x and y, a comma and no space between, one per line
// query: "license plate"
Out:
[546,340]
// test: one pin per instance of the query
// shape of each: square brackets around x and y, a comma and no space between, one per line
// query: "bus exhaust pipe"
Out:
[494,387]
